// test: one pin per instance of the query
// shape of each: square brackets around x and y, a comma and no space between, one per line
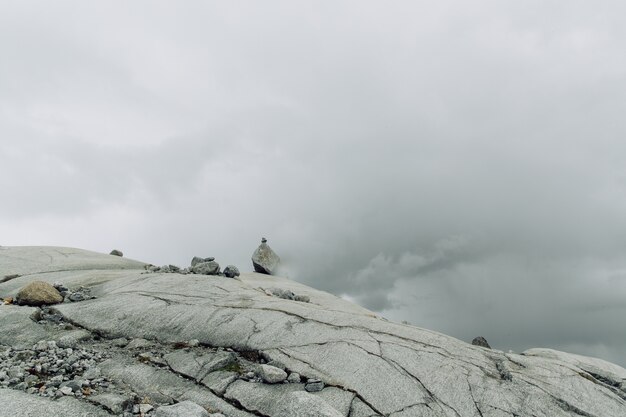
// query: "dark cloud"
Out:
[457,165]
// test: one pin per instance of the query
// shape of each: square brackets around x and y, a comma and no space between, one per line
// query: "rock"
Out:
[38,293]
[197,260]
[144,408]
[314,385]
[92,373]
[116,252]
[284,294]
[182,409]
[65,390]
[271,374]
[264,259]
[302,298]
[231,271]
[206,268]
[481,341]
[302,404]
[294,378]
[392,369]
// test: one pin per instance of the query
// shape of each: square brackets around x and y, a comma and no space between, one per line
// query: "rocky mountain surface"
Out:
[146,341]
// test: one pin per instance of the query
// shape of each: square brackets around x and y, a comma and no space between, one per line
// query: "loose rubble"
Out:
[199,266]
[49,370]
[287,295]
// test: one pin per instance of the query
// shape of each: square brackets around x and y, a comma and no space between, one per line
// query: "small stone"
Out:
[92,373]
[65,391]
[182,409]
[144,408]
[294,378]
[206,268]
[231,271]
[38,293]
[302,298]
[78,296]
[271,374]
[116,252]
[74,385]
[119,342]
[41,346]
[314,385]
[193,343]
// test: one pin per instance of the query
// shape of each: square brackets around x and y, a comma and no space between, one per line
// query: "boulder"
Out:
[182,409]
[481,341]
[116,252]
[206,268]
[38,293]
[264,259]
[231,271]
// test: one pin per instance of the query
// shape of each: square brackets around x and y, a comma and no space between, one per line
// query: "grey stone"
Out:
[197,260]
[92,373]
[294,378]
[481,341]
[271,374]
[38,293]
[314,386]
[264,259]
[116,252]
[303,298]
[65,390]
[182,409]
[231,271]
[302,404]
[206,268]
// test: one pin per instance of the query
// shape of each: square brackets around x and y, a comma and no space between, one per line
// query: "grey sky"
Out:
[459,165]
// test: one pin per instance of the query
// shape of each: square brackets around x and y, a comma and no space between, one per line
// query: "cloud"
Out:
[455,165]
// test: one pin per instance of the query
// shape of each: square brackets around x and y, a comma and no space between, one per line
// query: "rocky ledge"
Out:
[163,343]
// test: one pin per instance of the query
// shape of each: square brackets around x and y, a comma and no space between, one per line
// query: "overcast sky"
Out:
[459,165]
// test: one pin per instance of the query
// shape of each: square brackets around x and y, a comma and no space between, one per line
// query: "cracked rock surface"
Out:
[210,340]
